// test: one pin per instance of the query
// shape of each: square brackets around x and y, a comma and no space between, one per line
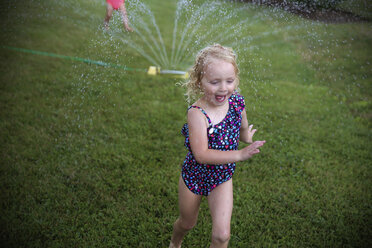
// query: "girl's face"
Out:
[218,82]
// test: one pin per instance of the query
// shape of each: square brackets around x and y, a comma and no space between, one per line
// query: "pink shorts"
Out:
[115,3]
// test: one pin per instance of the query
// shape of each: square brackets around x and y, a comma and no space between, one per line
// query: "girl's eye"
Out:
[214,82]
[230,81]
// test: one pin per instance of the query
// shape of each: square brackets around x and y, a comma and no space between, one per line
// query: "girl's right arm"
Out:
[199,143]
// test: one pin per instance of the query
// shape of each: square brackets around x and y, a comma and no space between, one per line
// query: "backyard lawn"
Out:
[91,145]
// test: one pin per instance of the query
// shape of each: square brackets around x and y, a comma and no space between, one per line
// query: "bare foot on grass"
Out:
[129,29]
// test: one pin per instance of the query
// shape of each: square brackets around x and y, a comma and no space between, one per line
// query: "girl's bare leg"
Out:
[109,11]
[220,203]
[189,208]
[125,18]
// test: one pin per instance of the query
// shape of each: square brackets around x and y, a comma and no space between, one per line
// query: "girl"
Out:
[215,124]
[115,5]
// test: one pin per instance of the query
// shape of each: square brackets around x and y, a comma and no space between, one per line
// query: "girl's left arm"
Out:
[246,132]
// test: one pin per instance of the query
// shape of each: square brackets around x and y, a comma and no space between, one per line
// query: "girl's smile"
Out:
[218,82]
[220,98]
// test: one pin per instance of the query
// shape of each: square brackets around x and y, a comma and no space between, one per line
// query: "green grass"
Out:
[90,156]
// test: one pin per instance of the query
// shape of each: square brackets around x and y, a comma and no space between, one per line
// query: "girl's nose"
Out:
[223,86]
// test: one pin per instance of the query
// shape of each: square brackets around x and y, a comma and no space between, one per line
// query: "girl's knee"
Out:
[186,225]
[221,237]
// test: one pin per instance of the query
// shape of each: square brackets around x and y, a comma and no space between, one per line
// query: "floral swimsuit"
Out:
[201,179]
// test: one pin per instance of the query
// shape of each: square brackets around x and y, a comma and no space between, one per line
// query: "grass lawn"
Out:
[90,155]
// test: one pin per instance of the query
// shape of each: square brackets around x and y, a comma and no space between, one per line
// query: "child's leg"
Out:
[109,11]
[220,203]
[189,208]
[125,17]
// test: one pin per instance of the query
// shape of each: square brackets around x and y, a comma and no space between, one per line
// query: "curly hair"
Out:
[203,58]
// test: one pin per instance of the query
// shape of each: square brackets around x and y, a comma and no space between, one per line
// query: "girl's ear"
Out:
[236,89]
[199,84]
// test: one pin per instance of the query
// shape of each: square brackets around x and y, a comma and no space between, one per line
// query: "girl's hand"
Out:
[251,133]
[249,151]
[246,131]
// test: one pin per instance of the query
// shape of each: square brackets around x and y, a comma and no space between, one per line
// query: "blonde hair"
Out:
[203,58]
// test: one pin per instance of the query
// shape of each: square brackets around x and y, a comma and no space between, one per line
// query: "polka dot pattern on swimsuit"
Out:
[201,179]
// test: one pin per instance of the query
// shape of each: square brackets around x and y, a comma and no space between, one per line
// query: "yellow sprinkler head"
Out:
[185,76]
[153,70]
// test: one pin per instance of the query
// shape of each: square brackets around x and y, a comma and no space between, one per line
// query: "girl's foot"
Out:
[106,25]
[129,29]
[171,245]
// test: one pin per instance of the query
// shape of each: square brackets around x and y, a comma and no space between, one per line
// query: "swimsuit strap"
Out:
[202,110]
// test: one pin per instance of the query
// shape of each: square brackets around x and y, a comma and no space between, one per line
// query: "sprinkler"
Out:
[155,70]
